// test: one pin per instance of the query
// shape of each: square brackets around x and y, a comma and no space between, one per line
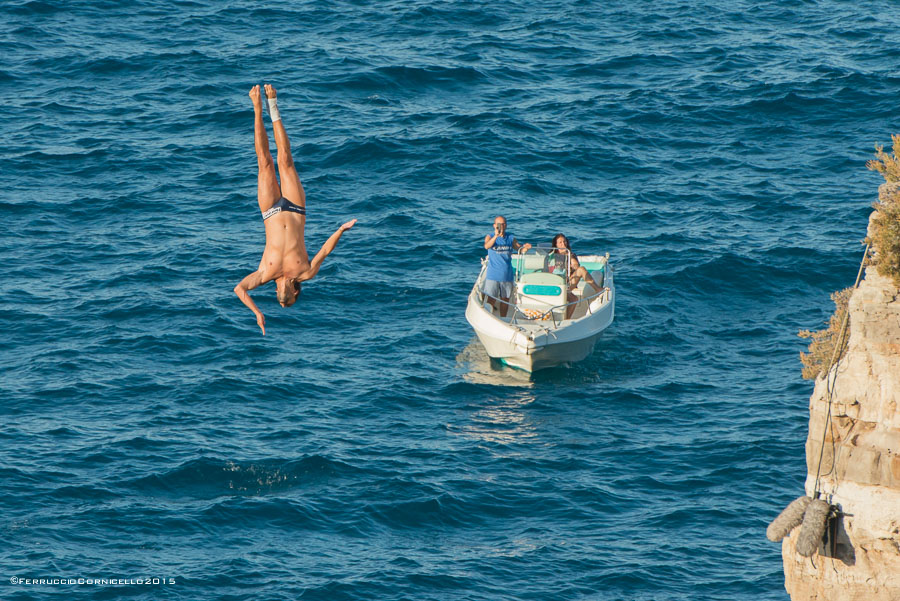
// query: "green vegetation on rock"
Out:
[884,231]
[818,361]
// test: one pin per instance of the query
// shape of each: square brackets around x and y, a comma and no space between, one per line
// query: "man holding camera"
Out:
[498,282]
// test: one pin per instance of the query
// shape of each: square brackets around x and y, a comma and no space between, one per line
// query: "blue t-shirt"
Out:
[499,259]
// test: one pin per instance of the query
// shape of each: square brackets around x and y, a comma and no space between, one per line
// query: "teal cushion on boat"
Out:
[543,290]
[594,265]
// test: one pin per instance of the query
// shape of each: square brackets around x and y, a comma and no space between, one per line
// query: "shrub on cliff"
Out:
[886,164]
[885,231]
[821,348]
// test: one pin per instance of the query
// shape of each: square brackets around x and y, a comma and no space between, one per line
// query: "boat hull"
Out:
[551,355]
[536,345]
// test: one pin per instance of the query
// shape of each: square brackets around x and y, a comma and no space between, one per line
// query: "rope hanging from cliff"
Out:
[830,379]
[813,514]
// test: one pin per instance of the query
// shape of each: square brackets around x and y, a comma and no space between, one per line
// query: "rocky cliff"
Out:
[859,560]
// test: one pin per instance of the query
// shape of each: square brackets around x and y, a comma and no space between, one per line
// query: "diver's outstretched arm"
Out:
[326,249]
[242,290]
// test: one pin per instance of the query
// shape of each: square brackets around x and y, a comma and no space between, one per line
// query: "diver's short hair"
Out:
[288,294]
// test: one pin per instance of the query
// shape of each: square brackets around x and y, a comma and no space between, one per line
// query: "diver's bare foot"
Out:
[255,97]
[348,225]
[270,91]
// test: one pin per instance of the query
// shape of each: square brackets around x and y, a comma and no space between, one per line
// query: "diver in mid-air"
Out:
[284,216]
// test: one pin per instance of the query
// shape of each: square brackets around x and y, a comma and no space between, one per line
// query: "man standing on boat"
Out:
[498,283]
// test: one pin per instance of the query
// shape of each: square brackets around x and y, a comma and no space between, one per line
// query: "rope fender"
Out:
[812,517]
[814,521]
[787,520]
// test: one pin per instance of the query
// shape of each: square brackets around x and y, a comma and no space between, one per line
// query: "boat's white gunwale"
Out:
[542,325]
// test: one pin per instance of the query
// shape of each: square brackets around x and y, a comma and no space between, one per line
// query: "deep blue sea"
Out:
[366,448]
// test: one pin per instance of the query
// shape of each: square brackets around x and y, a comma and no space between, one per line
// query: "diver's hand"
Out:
[348,225]
[261,322]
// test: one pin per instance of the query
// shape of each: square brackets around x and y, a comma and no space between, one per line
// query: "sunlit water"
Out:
[366,448]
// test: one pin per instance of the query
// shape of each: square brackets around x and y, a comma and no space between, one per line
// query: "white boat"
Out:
[536,332]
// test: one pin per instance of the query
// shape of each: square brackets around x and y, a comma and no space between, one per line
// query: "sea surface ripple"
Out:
[366,448]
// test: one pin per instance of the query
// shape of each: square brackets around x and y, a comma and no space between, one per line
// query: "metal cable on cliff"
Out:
[812,514]
[830,379]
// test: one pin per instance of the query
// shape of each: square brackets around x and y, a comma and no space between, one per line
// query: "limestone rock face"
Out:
[859,559]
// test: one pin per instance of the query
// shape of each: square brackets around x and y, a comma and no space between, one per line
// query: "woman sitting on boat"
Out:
[562,261]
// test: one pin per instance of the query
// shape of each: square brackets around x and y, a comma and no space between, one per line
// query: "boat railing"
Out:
[551,312]
[544,254]
[485,295]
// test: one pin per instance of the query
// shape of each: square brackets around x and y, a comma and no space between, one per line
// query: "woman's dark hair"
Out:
[558,257]
[557,237]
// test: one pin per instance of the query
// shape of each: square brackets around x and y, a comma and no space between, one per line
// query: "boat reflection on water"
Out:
[504,419]
[506,422]
[476,367]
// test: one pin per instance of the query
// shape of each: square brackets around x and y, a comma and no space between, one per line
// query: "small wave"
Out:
[404,76]
[408,79]
[210,478]
[19,476]
[437,511]
[398,220]
[621,63]
[390,202]
[35,7]
[360,151]
[89,493]
[454,14]
[64,155]
[113,65]
[791,103]
[279,513]
[727,273]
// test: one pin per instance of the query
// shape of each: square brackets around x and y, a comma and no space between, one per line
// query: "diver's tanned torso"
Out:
[285,252]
